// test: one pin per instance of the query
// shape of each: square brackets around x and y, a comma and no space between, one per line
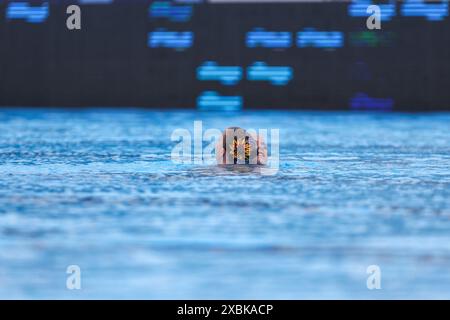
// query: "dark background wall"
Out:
[108,61]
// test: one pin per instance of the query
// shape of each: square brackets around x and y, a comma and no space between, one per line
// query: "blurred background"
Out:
[226,54]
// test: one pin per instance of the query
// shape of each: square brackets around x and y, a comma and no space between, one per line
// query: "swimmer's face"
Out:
[240,149]
[237,146]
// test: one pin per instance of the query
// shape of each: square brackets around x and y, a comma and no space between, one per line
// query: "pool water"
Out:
[98,189]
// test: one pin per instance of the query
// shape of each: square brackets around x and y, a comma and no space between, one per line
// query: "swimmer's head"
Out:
[237,146]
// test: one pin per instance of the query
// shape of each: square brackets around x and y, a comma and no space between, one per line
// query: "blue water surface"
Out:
[98,189]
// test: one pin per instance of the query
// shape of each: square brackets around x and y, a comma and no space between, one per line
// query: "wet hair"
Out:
[248,143]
